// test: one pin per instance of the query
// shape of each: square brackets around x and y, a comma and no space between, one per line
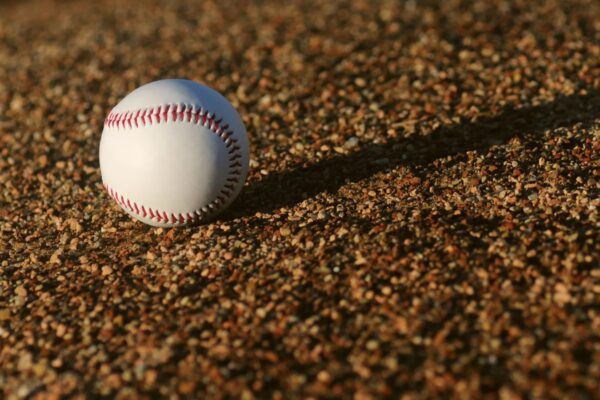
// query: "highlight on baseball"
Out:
[173,152]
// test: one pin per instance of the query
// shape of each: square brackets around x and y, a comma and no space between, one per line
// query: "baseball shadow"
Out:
[305,180]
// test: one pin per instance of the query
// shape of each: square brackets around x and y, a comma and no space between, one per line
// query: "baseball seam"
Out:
[179,112]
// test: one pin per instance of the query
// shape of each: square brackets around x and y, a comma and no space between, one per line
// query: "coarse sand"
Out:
[420,219]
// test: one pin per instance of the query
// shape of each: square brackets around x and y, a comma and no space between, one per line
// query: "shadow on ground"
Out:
[285,189]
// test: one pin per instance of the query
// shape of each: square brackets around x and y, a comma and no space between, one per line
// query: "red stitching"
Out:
[186,113]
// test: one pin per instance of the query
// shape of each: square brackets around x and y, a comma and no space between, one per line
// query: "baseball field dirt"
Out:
[420,219]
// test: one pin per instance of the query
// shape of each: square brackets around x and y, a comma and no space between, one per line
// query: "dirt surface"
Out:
[420,218]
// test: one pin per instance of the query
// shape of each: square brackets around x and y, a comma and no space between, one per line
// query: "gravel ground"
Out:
[420,219]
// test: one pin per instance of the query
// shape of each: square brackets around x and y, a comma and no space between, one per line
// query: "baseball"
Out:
[173,152]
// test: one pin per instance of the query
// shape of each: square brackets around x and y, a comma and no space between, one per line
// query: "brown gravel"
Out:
[420,219]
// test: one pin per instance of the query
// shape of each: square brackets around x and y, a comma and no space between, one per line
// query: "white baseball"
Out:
[173,152]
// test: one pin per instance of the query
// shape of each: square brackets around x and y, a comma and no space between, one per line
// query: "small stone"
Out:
[351,143]
[74,225]
[55,258]
[17,103]
[360,82]
[324,376]
[21,291]
[150,377]
[372,345]
[61,330]
[25,361]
